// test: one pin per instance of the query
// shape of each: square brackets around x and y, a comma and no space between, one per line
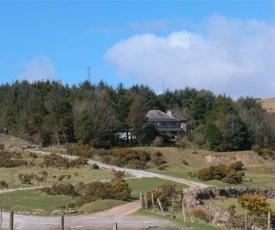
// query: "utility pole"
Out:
[89,74]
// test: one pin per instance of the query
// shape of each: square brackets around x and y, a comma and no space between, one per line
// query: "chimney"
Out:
[169,112]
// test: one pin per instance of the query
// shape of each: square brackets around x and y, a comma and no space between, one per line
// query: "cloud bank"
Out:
[227,56]
[39,68]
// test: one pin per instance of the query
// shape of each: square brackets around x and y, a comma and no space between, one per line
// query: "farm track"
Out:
[101,220]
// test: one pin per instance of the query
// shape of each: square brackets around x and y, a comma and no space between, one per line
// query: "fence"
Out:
[193,200]
[7,221]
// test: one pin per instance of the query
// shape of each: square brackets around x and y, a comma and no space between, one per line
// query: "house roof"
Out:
[156,115]
[179,117]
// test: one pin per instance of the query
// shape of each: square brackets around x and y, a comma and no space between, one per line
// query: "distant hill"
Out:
[268,104]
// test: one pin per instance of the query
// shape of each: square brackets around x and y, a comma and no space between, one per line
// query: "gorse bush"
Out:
[64,188]
[83,150]
[3,184]
[258,208]
[54,160]
[11,159]
[231,174]
[264,152]
[158,159]
[115,189]
[126,158]
[165,193]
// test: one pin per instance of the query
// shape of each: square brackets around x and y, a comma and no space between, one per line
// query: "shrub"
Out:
[26,178]
[33,155]
[61,177]
[95,166]
[63,189]
[80,150]
[116,189]
[118,174]
[237,166]
[3,184]
[158,159]
[54,160]
[228,174]
[201,213]
[126,157]
[184,162]
[72,205]
[165,193]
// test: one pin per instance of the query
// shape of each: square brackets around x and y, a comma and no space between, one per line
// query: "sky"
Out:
[227,47]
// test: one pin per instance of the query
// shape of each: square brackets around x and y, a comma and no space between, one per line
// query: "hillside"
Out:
[268,104]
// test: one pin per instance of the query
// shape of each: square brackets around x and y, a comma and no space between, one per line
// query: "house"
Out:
[166,122]
[123,136]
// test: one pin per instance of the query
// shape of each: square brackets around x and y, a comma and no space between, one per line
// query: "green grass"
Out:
[85,173]
[54,150]
[100,205]
[224,205]
[142,185]
[30,201]
[255,166]
[179,221]
[34,201]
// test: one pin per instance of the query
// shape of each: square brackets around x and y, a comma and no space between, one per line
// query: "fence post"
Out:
[62,222]
[11,220]
[153,203]
[145,199]
[160,206]
[114,226]
[245,220]
[173,207]
[268,221]
[210,210]
[183,211]
[1,219]
[190,214]
[141,200]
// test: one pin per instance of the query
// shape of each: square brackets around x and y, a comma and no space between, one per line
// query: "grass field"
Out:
[34,201]
[255,166]
[142,185]
[84,173]
[196,225]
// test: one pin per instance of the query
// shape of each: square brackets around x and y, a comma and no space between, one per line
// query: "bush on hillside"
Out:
[83,150]
[165,193]
[127,158]
[54,160]
[264,152]
[64,188]
[158,159]
[231,174]
[115,189]
[3,184]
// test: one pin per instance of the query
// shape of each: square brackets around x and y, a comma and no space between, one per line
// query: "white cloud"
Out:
[230,56]
[39,68]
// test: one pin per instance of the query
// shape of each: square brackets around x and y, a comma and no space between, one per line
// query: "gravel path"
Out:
[101,220]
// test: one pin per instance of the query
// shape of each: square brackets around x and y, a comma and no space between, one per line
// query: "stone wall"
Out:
[195,199]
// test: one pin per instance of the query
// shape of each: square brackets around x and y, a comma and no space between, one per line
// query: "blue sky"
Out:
[227,47]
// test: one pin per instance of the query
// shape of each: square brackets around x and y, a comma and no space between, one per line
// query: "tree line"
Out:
[51,112]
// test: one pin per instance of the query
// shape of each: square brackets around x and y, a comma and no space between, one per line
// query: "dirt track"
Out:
[101,220]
